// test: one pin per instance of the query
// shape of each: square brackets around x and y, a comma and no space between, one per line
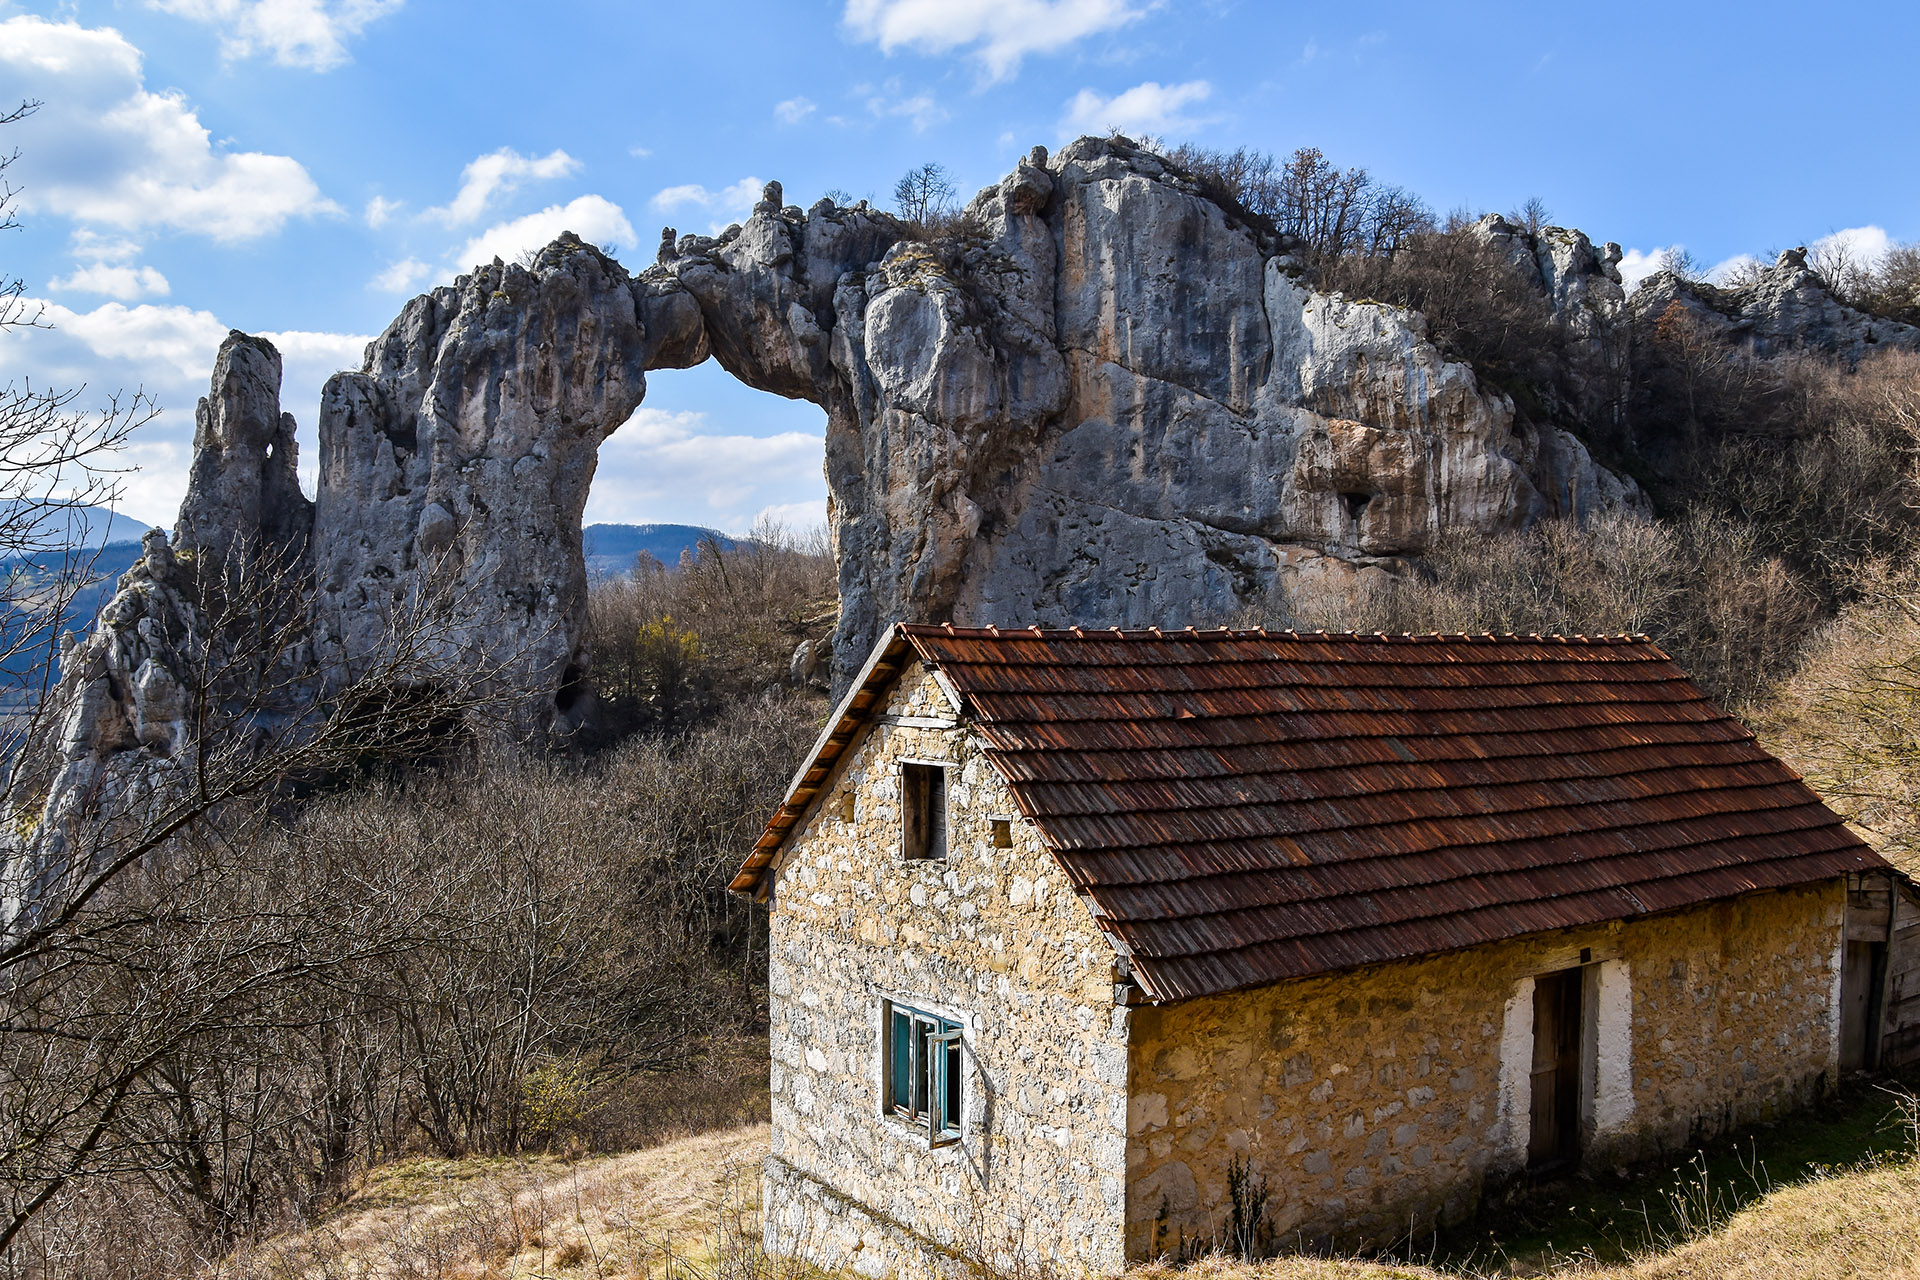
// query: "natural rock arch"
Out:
[1101,400]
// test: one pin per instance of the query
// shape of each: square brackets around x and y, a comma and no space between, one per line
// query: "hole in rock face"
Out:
[707,569]
[573,687]
[1356,504]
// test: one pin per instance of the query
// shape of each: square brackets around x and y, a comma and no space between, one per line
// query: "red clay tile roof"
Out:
[1246,807]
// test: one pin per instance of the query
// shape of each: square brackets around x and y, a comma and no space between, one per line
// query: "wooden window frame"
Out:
[945,1083]
[926,826]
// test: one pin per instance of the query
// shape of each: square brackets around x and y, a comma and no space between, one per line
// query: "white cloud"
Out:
[797,518]
[663,466]
[176,341]
[168,352]
[1145,108]
[499,173]
[109,268]
[297,33]
[1636,264]
[639,153]
[793,110]
[380,211]
[594,219]
[404,276]
[921,108]
[998,32]
[126,283]
[105,150]
[731,203]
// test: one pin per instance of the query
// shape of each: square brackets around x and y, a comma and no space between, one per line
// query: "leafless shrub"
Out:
[670,645]
[1479,308]
[1732,616]
[1849,716]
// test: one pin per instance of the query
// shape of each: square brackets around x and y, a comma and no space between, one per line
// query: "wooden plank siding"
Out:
[1900,1022]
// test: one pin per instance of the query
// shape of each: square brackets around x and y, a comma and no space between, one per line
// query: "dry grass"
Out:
[687,1210]
[498,1219]
[1859,1223]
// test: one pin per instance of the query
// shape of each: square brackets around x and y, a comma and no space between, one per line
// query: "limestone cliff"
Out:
[1782,308]
[1106,401]
[1101,399]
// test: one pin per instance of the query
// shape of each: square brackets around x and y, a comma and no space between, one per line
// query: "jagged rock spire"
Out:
[244,488]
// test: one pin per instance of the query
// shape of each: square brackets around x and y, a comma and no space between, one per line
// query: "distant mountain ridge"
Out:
[611,548]
[83,526]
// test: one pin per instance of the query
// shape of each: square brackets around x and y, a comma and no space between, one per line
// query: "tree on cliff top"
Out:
[924,194]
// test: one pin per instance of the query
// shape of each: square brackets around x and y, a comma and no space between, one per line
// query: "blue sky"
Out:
[300,167]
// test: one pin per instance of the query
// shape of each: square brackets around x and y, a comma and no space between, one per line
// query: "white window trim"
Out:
[971,1104]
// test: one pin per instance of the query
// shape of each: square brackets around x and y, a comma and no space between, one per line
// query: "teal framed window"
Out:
[923,1071]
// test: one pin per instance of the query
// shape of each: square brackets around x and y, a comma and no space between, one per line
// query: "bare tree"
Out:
[924,194]
[1532,216]
[58,472]
[113,958]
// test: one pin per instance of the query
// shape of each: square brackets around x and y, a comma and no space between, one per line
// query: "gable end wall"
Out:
[992,937]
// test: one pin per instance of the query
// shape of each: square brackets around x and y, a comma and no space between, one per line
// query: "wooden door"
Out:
[1859,972]
[1558,1021]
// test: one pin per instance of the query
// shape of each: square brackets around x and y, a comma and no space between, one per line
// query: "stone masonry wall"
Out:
[993,938]
[1383,1099]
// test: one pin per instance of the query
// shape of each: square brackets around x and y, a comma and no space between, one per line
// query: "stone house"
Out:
[1071,927]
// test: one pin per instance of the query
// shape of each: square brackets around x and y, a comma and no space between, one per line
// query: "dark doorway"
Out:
[1860,973]
[1558,1022]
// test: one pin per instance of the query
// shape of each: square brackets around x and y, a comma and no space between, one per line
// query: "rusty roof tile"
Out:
[1248,806]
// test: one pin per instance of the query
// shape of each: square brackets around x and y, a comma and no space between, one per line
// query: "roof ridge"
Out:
[992,631]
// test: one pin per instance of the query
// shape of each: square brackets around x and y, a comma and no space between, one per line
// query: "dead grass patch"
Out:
[629,1215]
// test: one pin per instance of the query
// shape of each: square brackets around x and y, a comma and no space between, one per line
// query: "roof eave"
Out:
[882,667]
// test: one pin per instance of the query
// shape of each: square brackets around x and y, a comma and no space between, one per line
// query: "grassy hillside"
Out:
[687,1210]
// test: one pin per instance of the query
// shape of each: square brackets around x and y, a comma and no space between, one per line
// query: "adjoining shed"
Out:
[1071,928]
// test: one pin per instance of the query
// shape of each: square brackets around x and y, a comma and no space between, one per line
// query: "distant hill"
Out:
[89,527]
[611,548]
[103,568]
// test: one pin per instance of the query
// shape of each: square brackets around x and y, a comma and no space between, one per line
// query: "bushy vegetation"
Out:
[672,645]
[479,951]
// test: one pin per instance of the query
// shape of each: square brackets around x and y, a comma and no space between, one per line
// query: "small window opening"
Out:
[1356,504]
[846,805]
[1002,833]
[923,1072]
[923,812]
